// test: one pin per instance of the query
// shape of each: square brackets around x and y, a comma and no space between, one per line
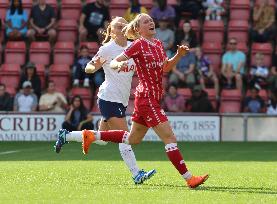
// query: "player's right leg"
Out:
[164,131]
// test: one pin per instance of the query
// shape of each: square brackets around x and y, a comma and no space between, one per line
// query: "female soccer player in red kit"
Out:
[151,62]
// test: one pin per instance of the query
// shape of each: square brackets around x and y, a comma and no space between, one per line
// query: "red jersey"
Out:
[149,58]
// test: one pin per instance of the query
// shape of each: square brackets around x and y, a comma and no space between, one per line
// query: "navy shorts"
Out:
[110,109]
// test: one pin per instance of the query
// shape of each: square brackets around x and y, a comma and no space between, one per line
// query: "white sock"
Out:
[187,175]
[129,158]
[74,136]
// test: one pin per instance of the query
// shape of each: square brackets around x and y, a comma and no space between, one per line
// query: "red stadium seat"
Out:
[53,3]
[213,51]
[95,108]
[71,9]
[2,31]
[213,31]
[172,2]
[67,30]
[3,7]
[60,74]
[242,46]
[239,30]
[262,94]
[117,12]
[184,92]
[230,101]
[212,96]
[15,52]
[11,91]
[240,10]
[266,49]
[146,3]
[0,52]
[92,46]
[41,74]
[85,95]
[27,5]
[64,53]
[40,53]
[9,75]
[122,4]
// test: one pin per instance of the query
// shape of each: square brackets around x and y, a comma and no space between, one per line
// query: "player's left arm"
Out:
[170,63]
[94,65]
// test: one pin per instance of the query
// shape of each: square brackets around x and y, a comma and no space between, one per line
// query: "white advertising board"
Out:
[44,127]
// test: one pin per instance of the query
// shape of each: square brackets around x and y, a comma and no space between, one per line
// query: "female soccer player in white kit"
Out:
[113,96]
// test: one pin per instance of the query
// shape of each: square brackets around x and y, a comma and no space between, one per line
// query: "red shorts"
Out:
[148,112]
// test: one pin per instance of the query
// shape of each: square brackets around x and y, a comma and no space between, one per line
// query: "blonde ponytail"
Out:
[131,29]
[107,34]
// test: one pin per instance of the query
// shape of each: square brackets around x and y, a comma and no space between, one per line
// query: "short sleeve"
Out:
[42,100]
[52,12]
[25,16]
[102,53]
[8,16]
[35,102]
[192,59]
[243,58]
[132,50]
[224,58]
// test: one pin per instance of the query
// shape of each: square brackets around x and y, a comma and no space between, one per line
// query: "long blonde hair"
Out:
[131,29]
[108,32]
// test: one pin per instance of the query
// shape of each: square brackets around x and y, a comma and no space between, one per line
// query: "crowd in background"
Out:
[194,71]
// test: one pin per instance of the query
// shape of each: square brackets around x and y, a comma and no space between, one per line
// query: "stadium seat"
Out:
[186,92]
[60,74]
[123,4]
[172,2]
[11,90]
[53,3]
[266,49]
[71,9]
[213,31]
[239,10]
[3,7]
[64,53]
[230,101]
[67,30]
[84,93]
[262,94]
[9,75]
[41,74]
[15,52]
[0,53]
[146,3]
[92,46]
[27,5]
[212,97]
[40,53]
[95,108]
[213,50]
[130,107]
[117,12]
[242,46]
[2,31]
[239,30]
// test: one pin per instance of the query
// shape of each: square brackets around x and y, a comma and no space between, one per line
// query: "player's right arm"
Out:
[94,65]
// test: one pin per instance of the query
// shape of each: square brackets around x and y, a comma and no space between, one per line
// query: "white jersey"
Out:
[117,86]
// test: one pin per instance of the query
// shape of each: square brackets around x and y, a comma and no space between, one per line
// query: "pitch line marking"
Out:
[9,152]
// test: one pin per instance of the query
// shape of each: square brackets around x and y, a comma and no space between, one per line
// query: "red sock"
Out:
[116,136]
[176,158]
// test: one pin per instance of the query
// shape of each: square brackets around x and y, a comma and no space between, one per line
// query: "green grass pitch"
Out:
[31,172]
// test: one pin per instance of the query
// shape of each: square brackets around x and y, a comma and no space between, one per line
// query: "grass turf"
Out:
[30,172]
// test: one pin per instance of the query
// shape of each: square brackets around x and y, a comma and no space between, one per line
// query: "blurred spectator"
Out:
[162,10]
[187,35]
[25,100]
[184,72]
[199,101]
[205,70]
[78,117]
[272,104]
[30,74]
[233,62]
[134,9]
[52,101]
[263,22]
[254,103]
[272,80]
[166,35]
[259,72]
[42,22]
[214,9]
[16,21]
[191,6]
[94,18]
[79,67]
[173,102]
[6,102]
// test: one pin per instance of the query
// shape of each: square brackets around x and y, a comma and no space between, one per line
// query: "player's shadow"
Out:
[254,190]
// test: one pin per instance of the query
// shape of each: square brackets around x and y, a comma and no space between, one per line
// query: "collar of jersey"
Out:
[152,43]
